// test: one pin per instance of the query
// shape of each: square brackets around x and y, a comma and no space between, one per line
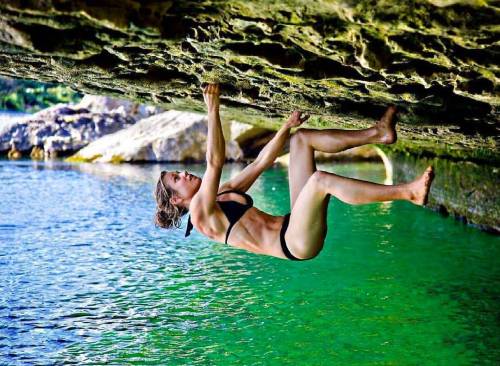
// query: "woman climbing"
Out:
[225,213]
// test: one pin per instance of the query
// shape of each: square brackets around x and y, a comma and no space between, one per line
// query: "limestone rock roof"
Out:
[342,61]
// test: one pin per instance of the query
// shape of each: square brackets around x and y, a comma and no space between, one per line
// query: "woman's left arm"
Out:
[274,147]
[244,180]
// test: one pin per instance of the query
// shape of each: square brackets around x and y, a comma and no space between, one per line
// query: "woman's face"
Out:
[186,185]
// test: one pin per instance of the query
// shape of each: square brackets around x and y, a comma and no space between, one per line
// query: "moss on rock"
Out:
[463,189]
[80,159]
[343,61]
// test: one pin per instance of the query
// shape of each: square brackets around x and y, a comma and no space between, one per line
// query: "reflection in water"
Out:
[387,164]
[85,278]
[131,172]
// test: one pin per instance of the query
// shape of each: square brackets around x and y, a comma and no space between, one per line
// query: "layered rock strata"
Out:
[342,61]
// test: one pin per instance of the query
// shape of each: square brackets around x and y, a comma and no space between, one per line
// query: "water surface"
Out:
[86,279]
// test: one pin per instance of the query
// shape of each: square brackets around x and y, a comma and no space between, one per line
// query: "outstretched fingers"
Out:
[211,89]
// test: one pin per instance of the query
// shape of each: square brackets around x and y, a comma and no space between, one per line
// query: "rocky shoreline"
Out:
[102,129]
[63,129]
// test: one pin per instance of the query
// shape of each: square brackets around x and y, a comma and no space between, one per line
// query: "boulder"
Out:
[168,137]
[242,133]
[251,139]
[60,129]
[100,104]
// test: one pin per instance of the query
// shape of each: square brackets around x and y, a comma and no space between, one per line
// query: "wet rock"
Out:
[14,153]
[168,137]
[464,190]
[37,153]
[341,61]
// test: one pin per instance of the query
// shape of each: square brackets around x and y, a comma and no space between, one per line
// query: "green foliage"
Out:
[31,96]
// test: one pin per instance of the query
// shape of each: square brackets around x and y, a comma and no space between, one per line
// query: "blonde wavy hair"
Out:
[168,215]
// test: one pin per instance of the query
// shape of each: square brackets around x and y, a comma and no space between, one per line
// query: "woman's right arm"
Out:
[216,146]
[205,198]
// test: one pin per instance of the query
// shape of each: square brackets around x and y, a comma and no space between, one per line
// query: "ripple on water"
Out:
[85,278]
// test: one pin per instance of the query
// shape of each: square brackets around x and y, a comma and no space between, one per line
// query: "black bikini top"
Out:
[232,209]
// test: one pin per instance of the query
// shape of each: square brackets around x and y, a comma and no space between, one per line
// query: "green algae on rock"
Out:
[343,61]
[465,190]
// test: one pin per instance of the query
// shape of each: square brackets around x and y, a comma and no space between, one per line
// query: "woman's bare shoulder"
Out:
[209,224]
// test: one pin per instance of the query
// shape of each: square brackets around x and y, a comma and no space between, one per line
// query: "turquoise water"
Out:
[86,279]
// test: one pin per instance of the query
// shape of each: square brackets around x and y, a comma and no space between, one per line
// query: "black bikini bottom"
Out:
[283,242]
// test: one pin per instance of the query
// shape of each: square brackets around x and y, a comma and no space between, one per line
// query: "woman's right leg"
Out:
[333,140]
[305,141]
[307,227]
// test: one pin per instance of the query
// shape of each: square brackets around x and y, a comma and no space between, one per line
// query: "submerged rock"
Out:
[37,153]
[14,153]
[341,61]
[168,137]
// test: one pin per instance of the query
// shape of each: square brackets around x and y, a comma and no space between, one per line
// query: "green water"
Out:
[86,279]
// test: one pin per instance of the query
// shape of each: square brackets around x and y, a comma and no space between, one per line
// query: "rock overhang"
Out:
[341,61]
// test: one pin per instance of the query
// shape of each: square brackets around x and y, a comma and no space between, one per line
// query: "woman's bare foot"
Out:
[386,126]
[421,186]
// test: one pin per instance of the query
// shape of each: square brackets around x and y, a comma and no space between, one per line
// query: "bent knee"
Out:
[317,179]
[306,251]
[298,138]
[306,256]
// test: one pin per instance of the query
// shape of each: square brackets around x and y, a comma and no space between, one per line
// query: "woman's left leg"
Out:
[307,227]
